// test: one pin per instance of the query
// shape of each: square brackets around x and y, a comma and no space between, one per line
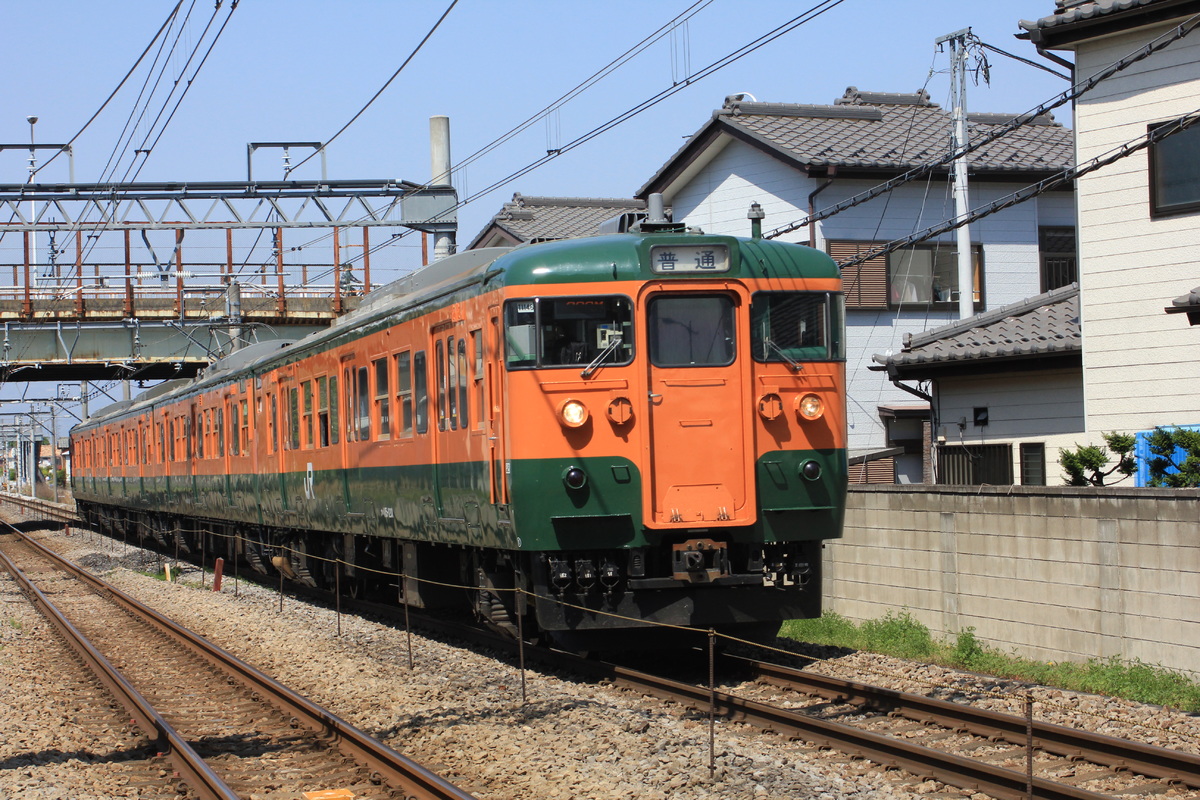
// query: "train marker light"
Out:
[574,478]
[770,406]
[620,410]
[810,407]
[811,470]
[572,413]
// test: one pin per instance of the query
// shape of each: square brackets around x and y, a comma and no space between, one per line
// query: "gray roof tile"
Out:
[538,219]
[1045,325]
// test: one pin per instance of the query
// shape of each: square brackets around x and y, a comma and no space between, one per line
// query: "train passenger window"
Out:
[350,404]
[477,377]
[220,428]
[688,330]
[245,427]
[200,435]
[235,428]
[333,409]
[363,407]
[796,326]
[273,424]
[440,378]
[293,418]
[383,398]
[462,384]
[404,392]
[420,394]
[323,411]
[307,389]
[568,331]
[451,385]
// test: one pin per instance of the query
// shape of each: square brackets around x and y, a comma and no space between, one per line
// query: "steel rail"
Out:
[390,765]
[193,770]
[1144,759]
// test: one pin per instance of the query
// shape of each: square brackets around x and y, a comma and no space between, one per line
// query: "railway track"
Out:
[228,730]
[955,744]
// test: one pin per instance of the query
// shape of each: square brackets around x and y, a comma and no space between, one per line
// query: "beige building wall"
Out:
[1052,573]
[1141,366]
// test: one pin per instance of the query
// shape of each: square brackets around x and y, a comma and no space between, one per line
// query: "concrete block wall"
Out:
[1051,573]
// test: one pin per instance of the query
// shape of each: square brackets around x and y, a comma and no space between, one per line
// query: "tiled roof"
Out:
[1041,326]
[1074,19]
[878,132]
[539,219]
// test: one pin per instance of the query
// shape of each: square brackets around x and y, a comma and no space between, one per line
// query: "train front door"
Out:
[700,464]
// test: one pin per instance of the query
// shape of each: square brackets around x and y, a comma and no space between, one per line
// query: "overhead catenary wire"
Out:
[1077,90]
[1029,192]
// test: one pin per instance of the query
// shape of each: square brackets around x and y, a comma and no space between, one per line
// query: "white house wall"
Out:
[1140,364]
[719,195]
[1036,407]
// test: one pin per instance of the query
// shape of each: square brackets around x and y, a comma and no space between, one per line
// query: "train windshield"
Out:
[568,331]
[797,326]
[691,330]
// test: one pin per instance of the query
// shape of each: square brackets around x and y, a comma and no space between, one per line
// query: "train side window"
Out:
[477,377]
[220,426]
[188,428]
[383,392]
[451,386]
[333,409]
[245,427]
[440,378]
[273,424]
[363,407]
[688,330]
[235,427]
[462,384]
[322,411]
[292,442]
[348,374]
[307,389]
[404,400]
[420,393]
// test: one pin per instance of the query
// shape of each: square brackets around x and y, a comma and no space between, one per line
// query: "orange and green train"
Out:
[644,426]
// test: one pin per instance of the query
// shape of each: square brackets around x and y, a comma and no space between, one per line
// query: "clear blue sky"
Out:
[299,70]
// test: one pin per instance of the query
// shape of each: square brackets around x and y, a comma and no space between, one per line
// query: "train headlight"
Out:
[574,478]
[810,407]
[572,413]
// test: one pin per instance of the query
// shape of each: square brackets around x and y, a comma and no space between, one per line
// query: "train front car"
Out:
[675,432]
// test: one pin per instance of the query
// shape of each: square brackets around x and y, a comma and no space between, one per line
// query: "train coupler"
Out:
[699,560]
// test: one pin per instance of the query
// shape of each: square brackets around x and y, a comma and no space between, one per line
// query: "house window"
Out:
[1057,252]
[1175,172]
[924,275]
[1033,464]
[973,465]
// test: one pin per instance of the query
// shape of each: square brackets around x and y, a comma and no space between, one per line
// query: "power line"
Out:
[1019,121]
[386,84]
[1029,192]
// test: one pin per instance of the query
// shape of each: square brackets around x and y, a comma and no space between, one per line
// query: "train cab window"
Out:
[420,393]
[568,331]
[383,393]
[687,330]
[796,326]
[322,411]
[404,399]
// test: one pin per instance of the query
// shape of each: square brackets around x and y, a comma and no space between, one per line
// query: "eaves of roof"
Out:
[1077,21]
[1044,327]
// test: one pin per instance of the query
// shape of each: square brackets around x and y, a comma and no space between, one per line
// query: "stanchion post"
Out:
[203,556]
[1029,745]
[712,703]
[407,627]
[521,640]
[337,571]
[280,591]
[218,568]
[237,551]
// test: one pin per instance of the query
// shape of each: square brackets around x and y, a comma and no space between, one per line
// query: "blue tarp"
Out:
[1141,451]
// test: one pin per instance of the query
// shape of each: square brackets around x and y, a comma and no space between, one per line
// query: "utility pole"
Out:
[962,205]
[440,167]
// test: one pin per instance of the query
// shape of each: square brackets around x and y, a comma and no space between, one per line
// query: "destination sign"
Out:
[689,258]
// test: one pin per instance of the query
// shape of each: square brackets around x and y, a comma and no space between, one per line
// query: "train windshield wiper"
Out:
[796,367]
[590,368]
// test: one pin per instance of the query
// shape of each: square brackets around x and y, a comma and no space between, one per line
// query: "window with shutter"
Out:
[865,285]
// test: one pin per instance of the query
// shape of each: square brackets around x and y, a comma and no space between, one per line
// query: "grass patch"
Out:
[13,622]
[902,636]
